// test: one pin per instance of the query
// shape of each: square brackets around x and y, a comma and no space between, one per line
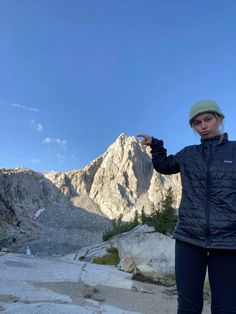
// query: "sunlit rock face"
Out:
[58,212]
[122,180]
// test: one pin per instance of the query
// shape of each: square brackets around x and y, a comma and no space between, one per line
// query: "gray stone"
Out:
[152,253]
[127,264]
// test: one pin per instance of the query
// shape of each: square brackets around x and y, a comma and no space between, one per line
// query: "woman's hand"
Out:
[147,139]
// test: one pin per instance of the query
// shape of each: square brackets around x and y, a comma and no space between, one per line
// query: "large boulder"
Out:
[141,250]
[147,252]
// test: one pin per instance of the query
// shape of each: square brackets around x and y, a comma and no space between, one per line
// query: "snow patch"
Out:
[39,212]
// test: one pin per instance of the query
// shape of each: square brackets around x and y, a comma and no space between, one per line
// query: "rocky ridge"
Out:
[59,212]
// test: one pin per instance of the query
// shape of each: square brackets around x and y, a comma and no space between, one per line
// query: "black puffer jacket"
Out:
[207,212]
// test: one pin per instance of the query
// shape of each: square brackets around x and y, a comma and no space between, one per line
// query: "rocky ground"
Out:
[39,285]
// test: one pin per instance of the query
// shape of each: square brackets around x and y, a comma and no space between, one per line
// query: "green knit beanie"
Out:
[204,106]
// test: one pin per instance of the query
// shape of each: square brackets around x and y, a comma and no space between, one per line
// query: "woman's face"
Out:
[207,125]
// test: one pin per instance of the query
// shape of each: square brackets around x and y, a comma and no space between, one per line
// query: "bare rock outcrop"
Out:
[122,180]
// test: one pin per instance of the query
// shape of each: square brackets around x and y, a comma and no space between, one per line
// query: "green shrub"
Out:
[167,280]
[112,258]
[207,290]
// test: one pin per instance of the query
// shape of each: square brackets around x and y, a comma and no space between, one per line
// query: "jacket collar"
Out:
[216,140]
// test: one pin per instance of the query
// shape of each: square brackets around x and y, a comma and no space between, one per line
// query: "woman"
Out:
[206,230]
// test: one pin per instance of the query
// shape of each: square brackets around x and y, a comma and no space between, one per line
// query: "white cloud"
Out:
[2,102]
[35,160]
[25,107]
[37,126]
[61,142]
[49,140]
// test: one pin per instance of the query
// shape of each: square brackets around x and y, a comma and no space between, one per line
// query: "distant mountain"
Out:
[59,212]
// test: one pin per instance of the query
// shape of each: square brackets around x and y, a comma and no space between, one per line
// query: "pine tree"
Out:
[166,217]
[143,216]
[136,217]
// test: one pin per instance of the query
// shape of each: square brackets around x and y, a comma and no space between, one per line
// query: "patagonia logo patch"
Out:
[228,161]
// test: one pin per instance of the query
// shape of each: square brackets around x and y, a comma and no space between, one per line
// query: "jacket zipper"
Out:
[208,194]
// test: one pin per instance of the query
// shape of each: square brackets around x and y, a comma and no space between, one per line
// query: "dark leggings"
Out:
[191,263]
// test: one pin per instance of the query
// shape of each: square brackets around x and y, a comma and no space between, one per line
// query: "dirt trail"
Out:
[149,300]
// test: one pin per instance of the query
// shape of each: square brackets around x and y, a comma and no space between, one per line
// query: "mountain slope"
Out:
[58,212]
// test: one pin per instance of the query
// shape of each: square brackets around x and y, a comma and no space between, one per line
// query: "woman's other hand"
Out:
[147,139]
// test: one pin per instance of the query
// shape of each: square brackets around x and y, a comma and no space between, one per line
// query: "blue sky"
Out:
[74,74]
